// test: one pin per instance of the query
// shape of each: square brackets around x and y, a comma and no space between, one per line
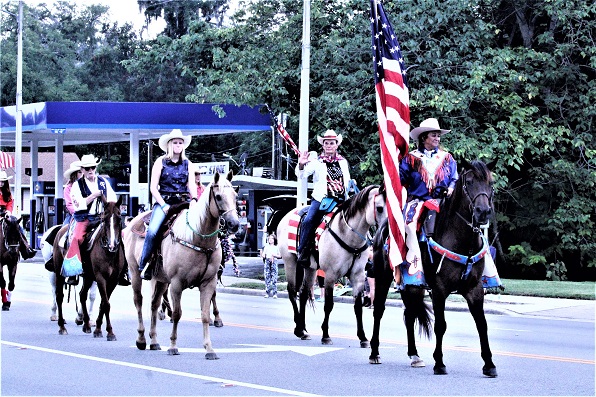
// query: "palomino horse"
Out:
[10,238]
[453,261]
[102,262]
[190,257]
[340,250]
[47,248]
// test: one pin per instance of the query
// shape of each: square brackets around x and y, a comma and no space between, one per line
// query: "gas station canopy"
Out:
[79,123]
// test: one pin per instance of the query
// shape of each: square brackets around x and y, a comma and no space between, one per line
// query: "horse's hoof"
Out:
[326,341]
[440,370]
[173,352]
[211,323]
[218,324]
[62,331]
[111,338]
[154,346]
[5,308]
[211,356]
[375,359]
[141,345]
[86,329]
[162,315]
[98,334]
[417,362]
[78,321]
[490,372]
[364,344]
[304,336]
[53,317]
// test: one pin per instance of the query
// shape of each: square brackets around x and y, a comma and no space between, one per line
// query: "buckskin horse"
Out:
[10,237]
[190,257]
[340,253]
[453,261]
[103,259]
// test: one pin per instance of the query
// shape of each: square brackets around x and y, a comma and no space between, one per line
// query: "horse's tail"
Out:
[413,299]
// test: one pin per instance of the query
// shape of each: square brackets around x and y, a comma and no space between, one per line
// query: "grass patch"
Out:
[539,288]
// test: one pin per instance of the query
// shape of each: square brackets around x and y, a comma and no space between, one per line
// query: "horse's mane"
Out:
[357,202]
[451,204]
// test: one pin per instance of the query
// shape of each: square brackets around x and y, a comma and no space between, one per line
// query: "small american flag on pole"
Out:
[393,113]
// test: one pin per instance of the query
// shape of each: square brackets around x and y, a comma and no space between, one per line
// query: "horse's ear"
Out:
[104,201]
[382,189]
[230,175]
[465,164]
[491,164]
[216,177]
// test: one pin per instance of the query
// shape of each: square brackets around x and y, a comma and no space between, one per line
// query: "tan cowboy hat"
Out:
[427,125]
[74,167]
[164,139]
[89,160]
[4,177]
[330,134]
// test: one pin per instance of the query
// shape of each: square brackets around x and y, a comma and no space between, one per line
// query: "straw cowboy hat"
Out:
[89,160]
[164,139]
[427,125]
[74,167]
[4,177]
[330,134]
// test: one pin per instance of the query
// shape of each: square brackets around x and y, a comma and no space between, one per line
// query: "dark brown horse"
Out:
[10,237]
[453,264]
[103,260]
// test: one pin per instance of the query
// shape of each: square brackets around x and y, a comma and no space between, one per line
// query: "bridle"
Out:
[220,211]
[104,240]
[473,224]
[9,247]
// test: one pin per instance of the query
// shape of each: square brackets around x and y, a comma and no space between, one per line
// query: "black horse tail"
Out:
[417,309]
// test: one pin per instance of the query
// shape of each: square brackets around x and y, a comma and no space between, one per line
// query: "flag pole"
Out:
[304,98]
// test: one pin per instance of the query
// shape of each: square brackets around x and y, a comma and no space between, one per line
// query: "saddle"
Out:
[295,223]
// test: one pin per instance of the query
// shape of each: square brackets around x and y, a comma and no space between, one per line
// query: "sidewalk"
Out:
[583,310]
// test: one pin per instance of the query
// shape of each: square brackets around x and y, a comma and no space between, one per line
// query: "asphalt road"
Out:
[259,355]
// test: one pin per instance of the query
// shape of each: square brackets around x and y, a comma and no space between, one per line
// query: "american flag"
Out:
[393,113]
[6,160]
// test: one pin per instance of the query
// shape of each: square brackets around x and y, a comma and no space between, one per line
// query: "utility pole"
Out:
[304,97]
[18,150]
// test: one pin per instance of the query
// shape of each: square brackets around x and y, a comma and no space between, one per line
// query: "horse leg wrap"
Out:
[4,295]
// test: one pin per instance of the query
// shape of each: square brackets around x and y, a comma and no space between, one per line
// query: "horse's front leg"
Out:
[304,297]
[137,296]
[359,325]
[217,322]
[84,315]
[104,307]
[383,282]
[207,291]
[475,299]
[110,289]
[328,307]
[59,299]
[159,289]
[440,329]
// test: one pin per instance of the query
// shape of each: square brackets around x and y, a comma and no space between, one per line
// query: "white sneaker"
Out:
[274,296]
[265,296]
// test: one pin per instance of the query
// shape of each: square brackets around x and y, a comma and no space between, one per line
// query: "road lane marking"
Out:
[304,350]
[224,382]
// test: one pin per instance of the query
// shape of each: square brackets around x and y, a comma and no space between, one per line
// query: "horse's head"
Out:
[370,202]
[223,203]
[476,184]
[377,214]
[111,220]
[11,233]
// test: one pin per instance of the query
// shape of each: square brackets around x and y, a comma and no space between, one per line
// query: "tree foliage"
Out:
[513,80]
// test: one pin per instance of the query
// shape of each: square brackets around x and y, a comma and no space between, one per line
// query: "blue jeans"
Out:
[157,217]
[309,224]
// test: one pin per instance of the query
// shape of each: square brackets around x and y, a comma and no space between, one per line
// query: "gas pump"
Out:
[45,209]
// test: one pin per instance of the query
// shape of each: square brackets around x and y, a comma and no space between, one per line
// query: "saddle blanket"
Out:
[294,225]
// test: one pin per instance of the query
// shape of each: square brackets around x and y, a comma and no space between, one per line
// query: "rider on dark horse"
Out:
[6,208]
[331,176]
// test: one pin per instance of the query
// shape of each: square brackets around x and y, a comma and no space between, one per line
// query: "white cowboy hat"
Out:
[199,169]
[164,139]
[74,167]
[330,134]
[89,160]
[4,177]
[427,125]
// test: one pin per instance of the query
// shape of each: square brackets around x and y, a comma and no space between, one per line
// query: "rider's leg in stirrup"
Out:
[157,217]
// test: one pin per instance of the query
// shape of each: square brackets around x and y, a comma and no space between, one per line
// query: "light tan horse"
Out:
[342,252]
[190,253]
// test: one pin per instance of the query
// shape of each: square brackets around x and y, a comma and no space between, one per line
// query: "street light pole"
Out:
[304,98]
[19,116]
